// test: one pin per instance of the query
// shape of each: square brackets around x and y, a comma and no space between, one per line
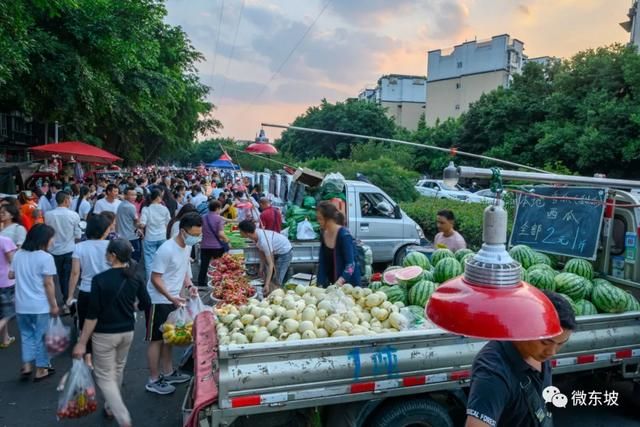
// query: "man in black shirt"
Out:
[508,377]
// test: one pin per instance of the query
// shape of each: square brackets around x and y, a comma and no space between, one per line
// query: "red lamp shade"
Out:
[490,301]
[261,148]
[514,313]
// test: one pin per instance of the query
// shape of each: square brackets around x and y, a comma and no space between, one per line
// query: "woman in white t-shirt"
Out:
[80,204]
[447,236]
[11,225]
[87,260]
[33,269]
[155,219]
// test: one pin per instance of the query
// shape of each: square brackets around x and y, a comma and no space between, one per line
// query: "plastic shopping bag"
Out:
[305,231]
[58,337]
[177,329]
[333,183]
[78,395]
[195,306]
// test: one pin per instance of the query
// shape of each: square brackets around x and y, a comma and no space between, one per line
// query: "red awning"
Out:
[78,150]
[261,148]
[225,157]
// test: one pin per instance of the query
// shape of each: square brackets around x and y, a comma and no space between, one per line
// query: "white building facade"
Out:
[632,25]
[403,96]
[459,76]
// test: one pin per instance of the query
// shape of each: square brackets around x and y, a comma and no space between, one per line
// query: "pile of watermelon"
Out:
[418,277]
[575,282]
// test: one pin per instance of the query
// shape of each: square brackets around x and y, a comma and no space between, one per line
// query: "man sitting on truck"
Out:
[508,377]
[275,252]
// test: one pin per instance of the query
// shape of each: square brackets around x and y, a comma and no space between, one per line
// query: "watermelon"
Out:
[571,302]
[585,308]
[389,277]
[524,255]
[463,262]
[541,279]
[396,293]
[375,286]
[573,285]
[543,267]
[417,311]
[408,276]
[607,298]
[461,253]
[439,254]
[542,258]
[632,303]
[446,269]
[427,275]
[420,292]
[523,275]
[416,259]
[579,266]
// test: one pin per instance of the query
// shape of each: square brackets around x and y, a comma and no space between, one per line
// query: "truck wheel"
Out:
[413,412]
[399,256]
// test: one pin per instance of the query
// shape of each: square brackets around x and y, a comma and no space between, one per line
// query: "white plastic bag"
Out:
[195,306]
[305,231]
[333,183]
[78,395]
[57,337]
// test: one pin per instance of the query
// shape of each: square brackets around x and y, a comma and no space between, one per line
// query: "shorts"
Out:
[156,315]
[7,302]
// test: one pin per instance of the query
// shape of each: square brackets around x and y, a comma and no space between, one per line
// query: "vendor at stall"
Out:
[337,258]
[447,236]
[275,252]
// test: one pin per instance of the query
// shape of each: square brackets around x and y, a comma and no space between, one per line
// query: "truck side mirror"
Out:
[397,212]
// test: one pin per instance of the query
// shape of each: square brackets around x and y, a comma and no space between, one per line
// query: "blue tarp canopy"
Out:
[222,164]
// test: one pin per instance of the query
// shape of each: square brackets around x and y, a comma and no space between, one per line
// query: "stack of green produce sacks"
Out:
[296,215]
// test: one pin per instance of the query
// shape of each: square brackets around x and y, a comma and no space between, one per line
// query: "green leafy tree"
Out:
[351,116]
[113,73]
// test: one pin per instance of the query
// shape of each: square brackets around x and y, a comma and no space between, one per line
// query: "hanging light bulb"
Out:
[451,176]
[490,300]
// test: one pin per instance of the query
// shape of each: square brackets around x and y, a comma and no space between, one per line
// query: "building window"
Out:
[459,64]
[3,125]
[393,81]
[457,106]
[18,125]
[458,85]
[419,82]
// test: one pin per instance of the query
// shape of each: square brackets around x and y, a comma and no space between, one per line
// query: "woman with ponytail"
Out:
[110,323]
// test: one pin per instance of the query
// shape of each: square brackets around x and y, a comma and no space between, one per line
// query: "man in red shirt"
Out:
[270,218]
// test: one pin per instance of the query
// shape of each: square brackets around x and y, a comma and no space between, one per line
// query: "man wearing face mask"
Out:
[170,274]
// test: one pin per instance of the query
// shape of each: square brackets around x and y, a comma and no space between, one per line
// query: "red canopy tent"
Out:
[77,150]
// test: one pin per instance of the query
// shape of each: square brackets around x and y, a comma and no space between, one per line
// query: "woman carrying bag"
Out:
[110,323]
[214,242]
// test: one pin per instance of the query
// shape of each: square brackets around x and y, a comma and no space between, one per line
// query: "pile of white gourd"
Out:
[308,313]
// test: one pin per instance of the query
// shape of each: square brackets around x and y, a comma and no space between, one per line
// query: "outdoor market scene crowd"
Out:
[100,251]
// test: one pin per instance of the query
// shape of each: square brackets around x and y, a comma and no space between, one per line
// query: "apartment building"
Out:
[458,76]
[632,25]
[403,96]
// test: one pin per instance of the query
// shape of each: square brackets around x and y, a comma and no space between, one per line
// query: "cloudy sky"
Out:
[354,42]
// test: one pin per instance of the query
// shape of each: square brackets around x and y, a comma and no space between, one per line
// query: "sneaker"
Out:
[159,387]
[176,378]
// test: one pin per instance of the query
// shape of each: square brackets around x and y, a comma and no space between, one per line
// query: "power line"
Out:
[215,49]
[233,46]
[282,64]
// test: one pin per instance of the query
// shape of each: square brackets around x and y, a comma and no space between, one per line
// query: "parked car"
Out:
[436,188]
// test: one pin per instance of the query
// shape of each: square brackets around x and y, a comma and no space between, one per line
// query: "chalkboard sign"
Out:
[562,221]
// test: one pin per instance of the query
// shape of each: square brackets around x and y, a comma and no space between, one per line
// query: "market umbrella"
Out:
[223,164]
[76,150]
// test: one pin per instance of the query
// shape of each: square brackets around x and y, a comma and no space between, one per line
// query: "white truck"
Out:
[372,217]
[406,378]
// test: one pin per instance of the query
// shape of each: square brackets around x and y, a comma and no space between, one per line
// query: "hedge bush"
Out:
[468,217]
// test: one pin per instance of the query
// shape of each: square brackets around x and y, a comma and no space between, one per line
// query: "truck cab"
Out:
[377,220]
